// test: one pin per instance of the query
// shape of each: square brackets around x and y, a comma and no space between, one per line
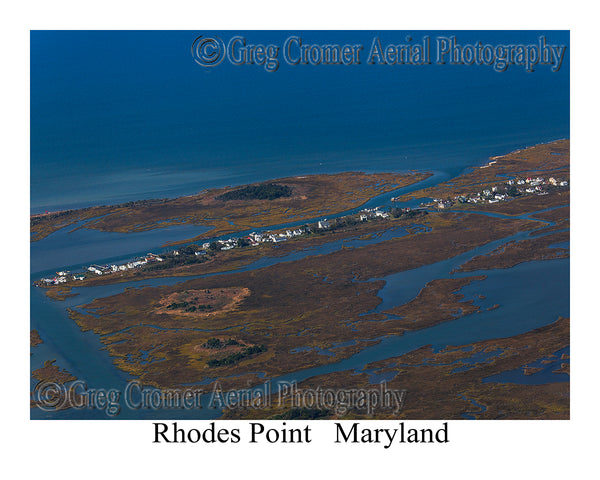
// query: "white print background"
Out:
[100,449]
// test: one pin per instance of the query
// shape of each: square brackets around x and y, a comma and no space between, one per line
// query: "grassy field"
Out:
[312,196]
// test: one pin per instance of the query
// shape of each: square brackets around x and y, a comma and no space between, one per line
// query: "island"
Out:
[264,304]
[229,210]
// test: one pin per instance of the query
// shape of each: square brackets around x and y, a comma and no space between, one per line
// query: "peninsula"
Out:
[258,308]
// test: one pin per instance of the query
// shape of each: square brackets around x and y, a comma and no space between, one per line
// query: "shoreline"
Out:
[504,207]
[340,293]
[116,202]
[94,204]
[313,196]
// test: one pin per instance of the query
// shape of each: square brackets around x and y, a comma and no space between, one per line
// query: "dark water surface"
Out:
[119,116]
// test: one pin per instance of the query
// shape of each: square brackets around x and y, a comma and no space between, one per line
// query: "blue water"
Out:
[75,248]
[118,116]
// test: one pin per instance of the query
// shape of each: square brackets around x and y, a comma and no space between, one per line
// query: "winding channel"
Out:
[82,353]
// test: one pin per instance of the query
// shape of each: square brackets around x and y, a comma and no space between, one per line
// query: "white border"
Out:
[507,449]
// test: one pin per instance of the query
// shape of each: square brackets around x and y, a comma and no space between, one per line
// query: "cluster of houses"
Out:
[104,269]
[253,239]
[493,194]
[61,277]
[521,186]
[369,213]
[64,276]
